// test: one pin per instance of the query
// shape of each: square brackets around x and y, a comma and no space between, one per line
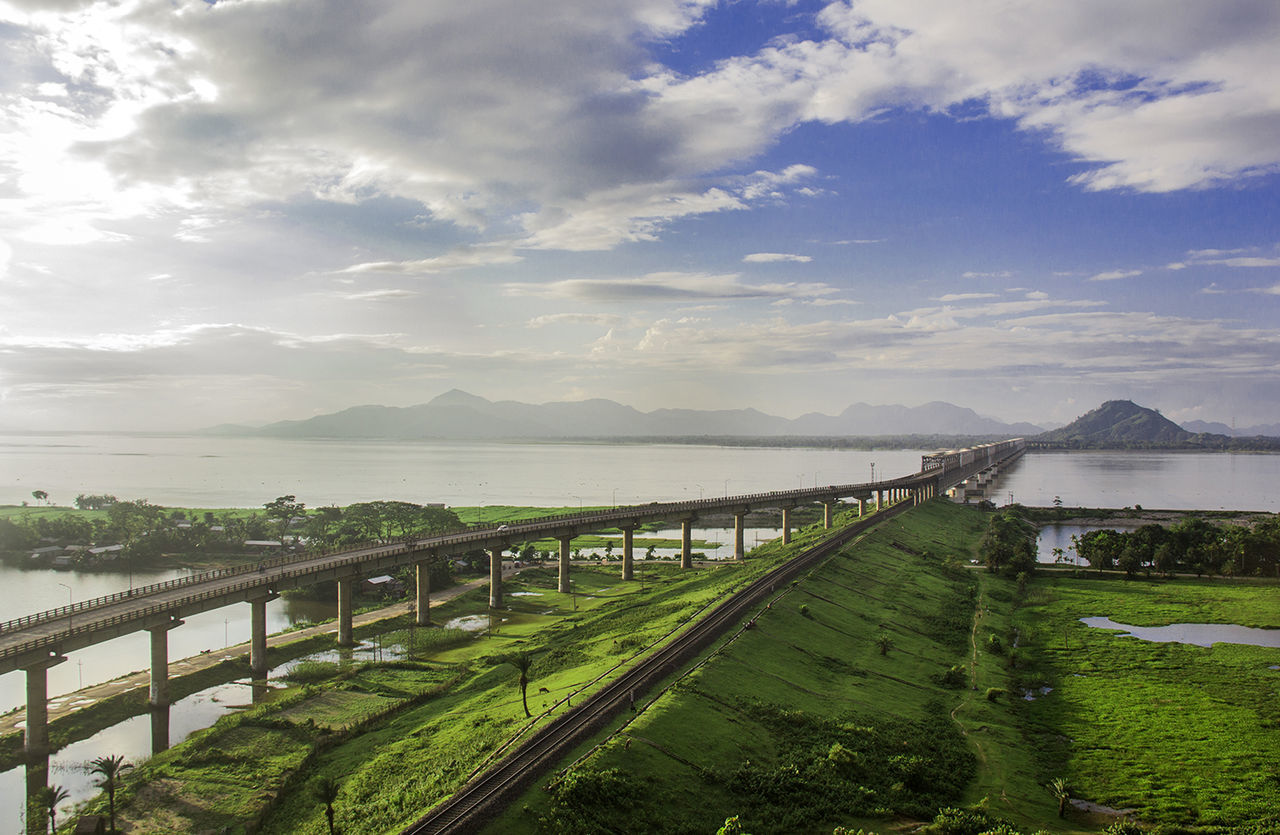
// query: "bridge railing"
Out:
[654,510]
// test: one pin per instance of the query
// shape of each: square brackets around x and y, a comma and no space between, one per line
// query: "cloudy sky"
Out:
[253,210]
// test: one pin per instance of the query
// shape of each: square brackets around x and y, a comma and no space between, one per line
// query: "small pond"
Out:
[1200,634]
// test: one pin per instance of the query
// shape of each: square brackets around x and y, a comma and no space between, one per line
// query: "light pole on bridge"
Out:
[69,604]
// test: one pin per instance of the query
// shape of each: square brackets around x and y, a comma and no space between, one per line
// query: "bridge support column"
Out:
[565,542]
[628,555]
[862,507]
[686,543]
[495,578]
[258,635]
[346,635]
[158,693]
[786,526]
[739,529]
[159,728]
[37,777]
[422,595]
[828,509]
[35,739]
[879,499]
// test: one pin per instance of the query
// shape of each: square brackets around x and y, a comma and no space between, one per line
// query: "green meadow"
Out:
[882,686]
[1183,735]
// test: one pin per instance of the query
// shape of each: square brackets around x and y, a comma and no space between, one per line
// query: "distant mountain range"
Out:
[1265,430]
[457,415]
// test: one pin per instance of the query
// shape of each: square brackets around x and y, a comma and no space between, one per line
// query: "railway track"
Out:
[483,797]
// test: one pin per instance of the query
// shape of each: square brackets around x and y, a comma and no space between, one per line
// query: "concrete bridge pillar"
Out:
[739,524]
[827,508]
[862,507]
[786,526]
[422,596]
[159,729]
[495,577]
[158,693]
[35,738]
[565,542]
[37,777]
[628,552]
[879,499]
[258,635]
[346,635]
[686,543]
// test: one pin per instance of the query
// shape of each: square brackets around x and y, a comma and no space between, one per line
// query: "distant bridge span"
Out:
[36,642]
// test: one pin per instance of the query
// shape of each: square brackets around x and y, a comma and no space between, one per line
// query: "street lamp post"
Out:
[69,604]
[873,472]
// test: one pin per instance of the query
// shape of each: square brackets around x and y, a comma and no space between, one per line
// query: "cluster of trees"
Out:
[1009,545]
[1192,546]
[147,531]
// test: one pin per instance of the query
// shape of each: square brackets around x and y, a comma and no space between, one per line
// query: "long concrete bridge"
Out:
[37,642]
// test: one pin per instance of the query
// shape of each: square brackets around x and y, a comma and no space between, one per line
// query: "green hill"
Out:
[1123,424]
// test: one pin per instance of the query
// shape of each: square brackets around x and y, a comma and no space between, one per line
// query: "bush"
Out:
[955,677]
[994,645]
[311,672]
[994,693]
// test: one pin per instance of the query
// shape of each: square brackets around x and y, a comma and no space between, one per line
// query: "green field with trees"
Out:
[930,674]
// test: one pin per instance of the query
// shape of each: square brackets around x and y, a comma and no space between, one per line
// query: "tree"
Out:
[108,770]
[283,510]
[1061,793]
[522,661]
[326,791]
[39,495]
[50,797]
[884,643]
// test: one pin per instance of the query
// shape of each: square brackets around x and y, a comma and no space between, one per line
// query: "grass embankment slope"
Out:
[801,722]
[401,737]
[1182,734]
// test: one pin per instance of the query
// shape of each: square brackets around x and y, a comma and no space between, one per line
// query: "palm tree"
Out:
[884,643]
[108,770]
[1061,793]
[326,791]
[522,661]
[50,797]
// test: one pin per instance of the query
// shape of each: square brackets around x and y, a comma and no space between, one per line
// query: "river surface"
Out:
[180,471]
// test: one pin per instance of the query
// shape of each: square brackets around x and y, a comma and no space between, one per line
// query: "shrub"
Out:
[994,693]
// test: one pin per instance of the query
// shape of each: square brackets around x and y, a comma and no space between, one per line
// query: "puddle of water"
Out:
[1200,634]
[1032,695]
[469,623]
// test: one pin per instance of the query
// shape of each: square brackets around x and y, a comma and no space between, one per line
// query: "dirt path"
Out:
[68,703]
[979,610]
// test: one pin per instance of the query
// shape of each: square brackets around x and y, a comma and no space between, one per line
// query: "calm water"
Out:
[1200,634]
[1163,480]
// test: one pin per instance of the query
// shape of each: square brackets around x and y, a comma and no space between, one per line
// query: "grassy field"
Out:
[1184,735]
[402,735]
[802,723]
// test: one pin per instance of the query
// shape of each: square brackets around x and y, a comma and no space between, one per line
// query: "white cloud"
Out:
[773,257]
[1000,274]
[458,259]
[964,297]
[1112,275]
[667,286]
[551,319]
